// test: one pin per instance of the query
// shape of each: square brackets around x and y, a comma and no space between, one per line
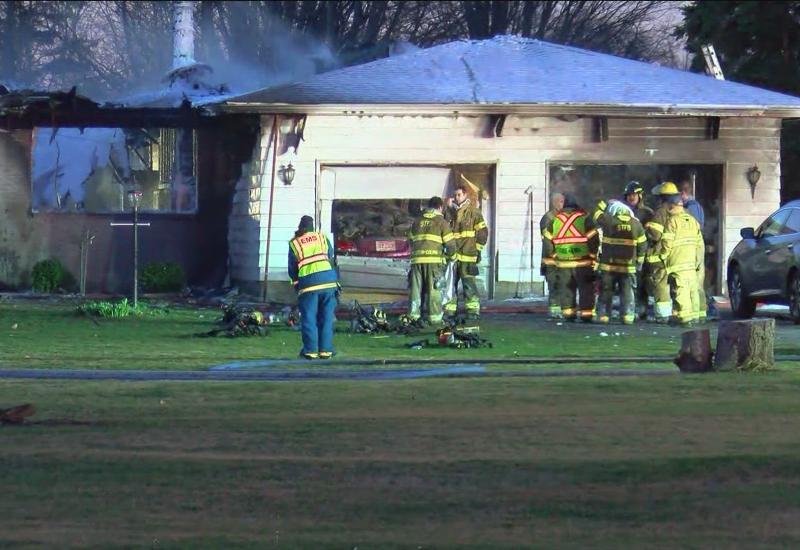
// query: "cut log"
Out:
[695,354]
[16,415]
[746,345]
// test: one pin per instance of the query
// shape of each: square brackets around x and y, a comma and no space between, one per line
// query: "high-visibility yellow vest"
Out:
[311,251]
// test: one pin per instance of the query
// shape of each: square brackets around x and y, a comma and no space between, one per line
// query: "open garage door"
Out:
[369,211]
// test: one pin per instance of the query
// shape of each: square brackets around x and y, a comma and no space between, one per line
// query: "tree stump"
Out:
[16,415]
[746,345]
[695,354]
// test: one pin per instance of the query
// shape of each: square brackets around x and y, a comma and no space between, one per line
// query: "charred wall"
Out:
[198,242]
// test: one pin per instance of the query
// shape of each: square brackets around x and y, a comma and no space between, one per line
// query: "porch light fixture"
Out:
[753,175]
[286,174]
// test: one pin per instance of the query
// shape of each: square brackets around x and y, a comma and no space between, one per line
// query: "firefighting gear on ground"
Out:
[454,337]
[241,321]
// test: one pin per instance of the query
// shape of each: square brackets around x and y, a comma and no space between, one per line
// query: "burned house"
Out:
[71,167]
[516,118]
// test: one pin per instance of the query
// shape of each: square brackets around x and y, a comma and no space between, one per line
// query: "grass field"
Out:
[601,462]
[54,337]
[703,461]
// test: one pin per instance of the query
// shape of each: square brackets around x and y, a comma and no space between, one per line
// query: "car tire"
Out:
[742,305]
[794,297]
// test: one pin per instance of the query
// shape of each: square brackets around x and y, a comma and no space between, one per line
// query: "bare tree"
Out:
[108,47]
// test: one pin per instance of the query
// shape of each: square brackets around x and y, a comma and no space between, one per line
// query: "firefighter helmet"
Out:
[666,188]
[633,187]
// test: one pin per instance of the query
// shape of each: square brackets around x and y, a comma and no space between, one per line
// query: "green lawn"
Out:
[689,462]
[601,462]
[54,337]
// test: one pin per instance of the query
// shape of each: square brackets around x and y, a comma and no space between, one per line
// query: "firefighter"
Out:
[571,240]
[657,282]
[681,246]
[431,245]
[548,265]
[312,269]
[634,198]
[693,207]
[471,234]
[621,257]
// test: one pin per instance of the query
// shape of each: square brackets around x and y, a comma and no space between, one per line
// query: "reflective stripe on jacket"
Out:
[654,229]
[311,265]
[571,239]
[623,244]
[470,231]
[681,242]
[431,239]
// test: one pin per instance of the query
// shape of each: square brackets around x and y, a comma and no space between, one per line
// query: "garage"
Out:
[369,210]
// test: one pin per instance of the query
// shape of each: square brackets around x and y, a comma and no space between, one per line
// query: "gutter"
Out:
[430,109]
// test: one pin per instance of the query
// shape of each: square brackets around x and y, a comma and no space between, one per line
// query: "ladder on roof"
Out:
[712,63]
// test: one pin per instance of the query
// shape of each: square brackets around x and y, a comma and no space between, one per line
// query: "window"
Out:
[95,170]
[793,223]
[773,225]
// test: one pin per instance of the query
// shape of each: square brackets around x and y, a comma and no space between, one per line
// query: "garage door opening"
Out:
[370,209]
[592,182]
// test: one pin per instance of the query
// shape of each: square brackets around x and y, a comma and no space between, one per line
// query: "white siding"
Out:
[521,156]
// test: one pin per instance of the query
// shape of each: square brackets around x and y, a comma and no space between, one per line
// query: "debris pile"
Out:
[456,338]
[17,415]
[239,321]
[373,320]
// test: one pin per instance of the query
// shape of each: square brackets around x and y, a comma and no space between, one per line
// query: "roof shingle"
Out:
[510,70]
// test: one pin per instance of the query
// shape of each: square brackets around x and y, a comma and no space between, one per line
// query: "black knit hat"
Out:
[570,201]
[306,224]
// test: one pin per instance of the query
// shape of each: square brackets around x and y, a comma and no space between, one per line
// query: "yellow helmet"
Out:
[666,188]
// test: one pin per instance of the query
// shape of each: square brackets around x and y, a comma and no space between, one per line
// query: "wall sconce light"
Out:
[286,174]
[753,175]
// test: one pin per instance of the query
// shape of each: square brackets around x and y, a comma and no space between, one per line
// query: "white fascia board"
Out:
[516,109]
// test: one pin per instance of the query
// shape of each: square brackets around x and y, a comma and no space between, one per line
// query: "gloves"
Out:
[479,258]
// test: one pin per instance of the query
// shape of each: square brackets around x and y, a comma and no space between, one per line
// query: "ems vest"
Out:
[570,237]
[314,268]
[430,235]
[624,244]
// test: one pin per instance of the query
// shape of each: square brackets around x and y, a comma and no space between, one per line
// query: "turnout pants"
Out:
[611,283]
[316,322]
[642,291]
[700,299]
[572,281]
[424,292]
[466,272]
[659,289]
[686,294]
[553,301]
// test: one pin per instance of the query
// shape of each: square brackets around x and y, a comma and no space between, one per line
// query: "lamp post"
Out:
[135,196]
[753,175]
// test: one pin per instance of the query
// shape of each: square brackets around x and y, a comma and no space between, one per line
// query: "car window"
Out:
[773,225]
[792,224]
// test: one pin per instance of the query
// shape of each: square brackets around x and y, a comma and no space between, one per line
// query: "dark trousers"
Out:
[626,285]
[424,290]
[317,310]
[580,281]
[553,299]
[642,292]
